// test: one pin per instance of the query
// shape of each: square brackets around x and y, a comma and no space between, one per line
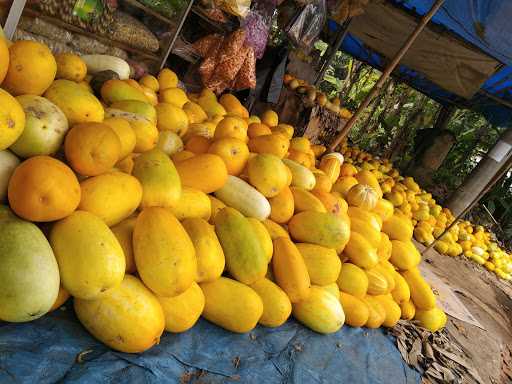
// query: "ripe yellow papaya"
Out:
[245,257]
[290,270]
[332,289]
[209,253]
[320,228]
[356,310]
[182,312]
[306,201]
[206,172]
[344,184]
[360,252]
[323,263]
[267,174]
[391,308]
[124,234]
[366,230]
[164,253]
[319,311]
[112,196]
[421,293]
[433,319]
[231,305]
[275,230]
[376,312]
[384,209]
[192,203]
[385,247]
[408,310]
[261,233]
[274,144]
[90,258]
[401,293]
[404,255]
[276,304]
[368,217]
[332,202]
[353,280]
[282,206]
[161,184]
[302,177]
[127,318]
[398,227]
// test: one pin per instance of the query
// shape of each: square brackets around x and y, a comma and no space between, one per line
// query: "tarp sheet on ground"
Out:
[482,26]
[56,348]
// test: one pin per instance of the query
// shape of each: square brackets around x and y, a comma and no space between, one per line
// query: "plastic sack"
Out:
[305,29]
[257,25]
[246,77]
[203,45]
[238,8]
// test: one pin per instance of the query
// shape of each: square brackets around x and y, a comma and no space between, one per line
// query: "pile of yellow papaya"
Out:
[431,221]
[151,207]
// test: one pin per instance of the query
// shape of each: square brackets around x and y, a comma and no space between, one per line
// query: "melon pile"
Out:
[152,207]
[430,220]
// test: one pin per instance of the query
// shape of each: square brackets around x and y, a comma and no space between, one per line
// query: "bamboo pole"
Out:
[387,72]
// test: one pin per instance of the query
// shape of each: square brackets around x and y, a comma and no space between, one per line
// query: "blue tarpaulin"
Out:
[56,348]
[482,24]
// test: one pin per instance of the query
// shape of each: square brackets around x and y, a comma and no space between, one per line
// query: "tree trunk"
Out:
[397,108]
[388,104]
[366,128]
[405,132]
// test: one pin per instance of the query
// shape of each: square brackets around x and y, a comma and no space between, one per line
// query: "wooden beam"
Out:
[497,99]
[387,72]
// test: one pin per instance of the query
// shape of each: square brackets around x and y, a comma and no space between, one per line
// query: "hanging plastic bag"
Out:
[257,25]
[238,8]
[304,30]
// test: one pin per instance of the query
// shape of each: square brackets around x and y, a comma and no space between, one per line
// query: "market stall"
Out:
[171,226]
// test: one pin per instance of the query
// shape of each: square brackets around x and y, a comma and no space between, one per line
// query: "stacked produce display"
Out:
[314,96]
[431,221]
[152,207]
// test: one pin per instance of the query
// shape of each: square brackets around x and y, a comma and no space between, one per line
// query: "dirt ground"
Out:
[489,299]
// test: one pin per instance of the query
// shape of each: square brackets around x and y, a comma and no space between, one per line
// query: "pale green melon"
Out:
[29,274]
[45,127]
[8,162]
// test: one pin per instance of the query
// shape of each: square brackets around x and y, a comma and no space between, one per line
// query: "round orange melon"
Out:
[43,189]
[32,68]
[92,148]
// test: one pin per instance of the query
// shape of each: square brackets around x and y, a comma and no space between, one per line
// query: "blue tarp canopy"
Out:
[478,40]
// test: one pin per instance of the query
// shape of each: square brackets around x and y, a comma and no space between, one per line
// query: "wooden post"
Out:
[497,176]
[485,172]
[387,72]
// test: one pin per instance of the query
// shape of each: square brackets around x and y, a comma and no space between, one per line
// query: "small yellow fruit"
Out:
[167,79]
[70,67]
[270,118]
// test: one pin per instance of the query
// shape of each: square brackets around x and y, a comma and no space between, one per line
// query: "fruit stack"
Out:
[152,207]
[314,96]
[430,220]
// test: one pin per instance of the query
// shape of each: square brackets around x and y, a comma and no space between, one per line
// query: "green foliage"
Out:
[388,127]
